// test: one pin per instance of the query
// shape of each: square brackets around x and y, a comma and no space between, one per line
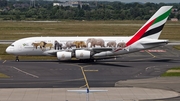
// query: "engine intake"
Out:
[82,54]
[64,55]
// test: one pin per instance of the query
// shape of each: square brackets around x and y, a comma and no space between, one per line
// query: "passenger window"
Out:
[12,45]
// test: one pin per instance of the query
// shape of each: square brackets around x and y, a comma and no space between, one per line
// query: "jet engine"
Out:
[64,55]
[82,54]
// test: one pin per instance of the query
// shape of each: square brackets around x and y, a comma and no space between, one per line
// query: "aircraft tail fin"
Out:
[153,27]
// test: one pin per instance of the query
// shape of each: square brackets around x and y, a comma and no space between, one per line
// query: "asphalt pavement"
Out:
[142,65]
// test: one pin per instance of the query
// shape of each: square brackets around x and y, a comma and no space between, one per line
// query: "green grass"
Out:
[3,75]
[177,47]
[15,30]
[169,74]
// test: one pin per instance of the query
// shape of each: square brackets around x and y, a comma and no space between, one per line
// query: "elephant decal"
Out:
[70,44]
[111,44]
[121,44]
[95,42]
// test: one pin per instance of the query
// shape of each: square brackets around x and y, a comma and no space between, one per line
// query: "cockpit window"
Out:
[12,45]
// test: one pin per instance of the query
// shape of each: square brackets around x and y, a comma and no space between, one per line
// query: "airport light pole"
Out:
[87,95]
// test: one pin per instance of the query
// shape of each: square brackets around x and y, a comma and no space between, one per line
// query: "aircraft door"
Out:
[20,48]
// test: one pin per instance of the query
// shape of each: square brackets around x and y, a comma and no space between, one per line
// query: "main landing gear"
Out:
[17,59]
[88,60]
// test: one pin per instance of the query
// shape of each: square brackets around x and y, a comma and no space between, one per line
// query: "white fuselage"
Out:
[26,46]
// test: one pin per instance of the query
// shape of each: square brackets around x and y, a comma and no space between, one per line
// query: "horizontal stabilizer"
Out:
[174,43]
[154,42]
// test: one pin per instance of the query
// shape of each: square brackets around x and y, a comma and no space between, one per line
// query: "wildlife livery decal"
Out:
[89,43]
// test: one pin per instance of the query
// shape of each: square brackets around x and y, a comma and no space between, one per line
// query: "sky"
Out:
[128,1]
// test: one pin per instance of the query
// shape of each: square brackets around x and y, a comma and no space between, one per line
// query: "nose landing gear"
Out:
[17,59]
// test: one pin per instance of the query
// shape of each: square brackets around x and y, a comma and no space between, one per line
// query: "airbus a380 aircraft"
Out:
[90,48]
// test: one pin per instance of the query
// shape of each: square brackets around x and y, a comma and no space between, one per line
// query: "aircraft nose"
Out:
[9,50]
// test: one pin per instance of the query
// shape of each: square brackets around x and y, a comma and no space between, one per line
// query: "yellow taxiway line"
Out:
[90,70]
[83,86]
[150,54]
[82,70]
[84,76]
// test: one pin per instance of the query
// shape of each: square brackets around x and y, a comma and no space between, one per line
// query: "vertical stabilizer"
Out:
[153,27]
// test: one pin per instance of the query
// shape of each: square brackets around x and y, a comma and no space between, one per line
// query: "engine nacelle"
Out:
[82,54]
[64,55]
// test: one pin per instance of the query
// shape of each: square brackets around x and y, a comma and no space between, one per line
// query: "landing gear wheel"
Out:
[17,59]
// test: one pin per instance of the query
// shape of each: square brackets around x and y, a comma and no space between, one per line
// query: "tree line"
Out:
[44,10]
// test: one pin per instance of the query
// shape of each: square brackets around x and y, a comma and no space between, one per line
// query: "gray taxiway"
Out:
[103,73]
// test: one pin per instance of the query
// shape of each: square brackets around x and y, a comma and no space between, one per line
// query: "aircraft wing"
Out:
[102,49]
[94,50]
[51,52]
